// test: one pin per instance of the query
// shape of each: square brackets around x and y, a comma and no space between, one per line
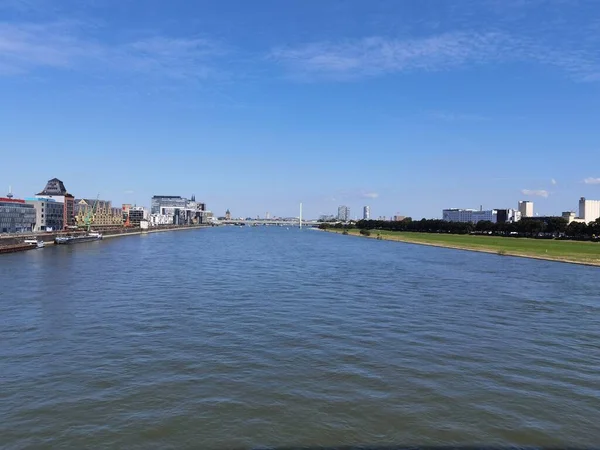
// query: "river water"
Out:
[248,337]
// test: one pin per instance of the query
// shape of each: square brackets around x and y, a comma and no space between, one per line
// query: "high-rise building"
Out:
[526,208]
[343,213]
[55,189]
[589,210]
[367,213]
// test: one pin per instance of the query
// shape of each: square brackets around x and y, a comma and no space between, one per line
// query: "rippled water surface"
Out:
[242,337]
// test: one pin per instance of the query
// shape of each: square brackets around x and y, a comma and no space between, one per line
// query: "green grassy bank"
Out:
[563,251]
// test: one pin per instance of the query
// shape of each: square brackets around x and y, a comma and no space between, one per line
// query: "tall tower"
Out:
[10,194]
[367,213]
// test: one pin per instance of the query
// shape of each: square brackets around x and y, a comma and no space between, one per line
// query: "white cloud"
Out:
[372,195]
[25,47]
[591,180]
[553,181]
[129,192]
[535,192]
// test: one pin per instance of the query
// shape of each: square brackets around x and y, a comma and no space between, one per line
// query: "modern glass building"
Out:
[166,201]
[16,216]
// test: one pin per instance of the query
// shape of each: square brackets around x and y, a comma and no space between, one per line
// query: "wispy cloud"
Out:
[553,181]
[592,180]
[374,56]
[535,192]
[456,117]
[371,195]
[25,47]
[129,192]
[379,55]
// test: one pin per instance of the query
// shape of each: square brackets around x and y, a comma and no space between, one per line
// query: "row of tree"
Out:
[556,227]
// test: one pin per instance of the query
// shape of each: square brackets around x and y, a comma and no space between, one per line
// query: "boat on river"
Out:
[37,243]
[68,240]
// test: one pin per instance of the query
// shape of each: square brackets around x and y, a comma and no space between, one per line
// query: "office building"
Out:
[55,189]
[228,215]
[507,215]
[398,218]
[474,216]
[458,215]
[103,215]
[166,201]
[180,209]
[526,208]
[343,213]
[137,214]
[367,213]
[16,216]
[589,210]
[48,212]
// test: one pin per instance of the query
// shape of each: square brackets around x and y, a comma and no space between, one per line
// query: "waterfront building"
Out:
[343,213]
[526,208]
[16,216]
[367,213]
[166,201]
[104,214]
[228,215]
[125,207]
[55,189]
[474,216]
[589,210]
[458,215]
[48,212]
[156,220]
[182,210]
[137,214]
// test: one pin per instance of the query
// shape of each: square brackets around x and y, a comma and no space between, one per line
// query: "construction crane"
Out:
[89,217]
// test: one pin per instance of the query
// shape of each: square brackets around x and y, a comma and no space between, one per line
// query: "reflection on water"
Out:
[240,337]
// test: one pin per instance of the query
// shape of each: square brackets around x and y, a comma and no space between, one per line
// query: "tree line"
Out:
[551,227]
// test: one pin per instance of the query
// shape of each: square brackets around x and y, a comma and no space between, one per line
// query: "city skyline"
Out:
[401,105]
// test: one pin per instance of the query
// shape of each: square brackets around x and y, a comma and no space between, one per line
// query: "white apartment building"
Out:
[474,216]
[343,213]
[526,208]
[458,215]
[589,210]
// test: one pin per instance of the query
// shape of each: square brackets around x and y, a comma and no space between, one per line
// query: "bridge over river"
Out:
[269,222]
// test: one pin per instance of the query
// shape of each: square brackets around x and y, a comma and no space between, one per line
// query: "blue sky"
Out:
[406,106]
